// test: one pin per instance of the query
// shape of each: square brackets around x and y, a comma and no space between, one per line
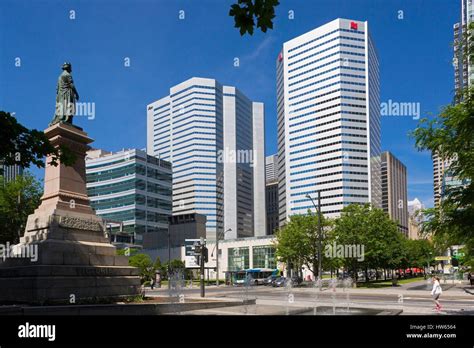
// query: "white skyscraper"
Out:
[271,168]
[214,137]
[328,119]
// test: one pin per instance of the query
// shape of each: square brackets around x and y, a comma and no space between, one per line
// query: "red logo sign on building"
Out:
[353,25]
[280,57]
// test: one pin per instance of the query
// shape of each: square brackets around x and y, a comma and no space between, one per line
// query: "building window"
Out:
[238,259]
[264,256]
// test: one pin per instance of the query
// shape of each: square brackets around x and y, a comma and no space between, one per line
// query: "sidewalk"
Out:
[461,291]
[454,291]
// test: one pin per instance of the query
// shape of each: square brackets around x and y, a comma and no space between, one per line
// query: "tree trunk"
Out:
[366,274]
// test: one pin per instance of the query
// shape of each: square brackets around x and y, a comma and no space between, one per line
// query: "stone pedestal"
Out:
[75,261]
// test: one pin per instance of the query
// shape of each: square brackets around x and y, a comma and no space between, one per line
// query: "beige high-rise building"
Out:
[394,190]
[415,217]
[439,168]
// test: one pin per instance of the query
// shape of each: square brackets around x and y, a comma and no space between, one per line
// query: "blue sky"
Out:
[415,56]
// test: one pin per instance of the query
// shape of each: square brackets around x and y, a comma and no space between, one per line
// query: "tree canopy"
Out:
[373,229]
[371,240]
[22,146]
[297,242]
[451,135]
[245,12]
[18,199]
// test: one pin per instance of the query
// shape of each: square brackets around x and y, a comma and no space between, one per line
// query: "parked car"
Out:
[283,281]
[279,282]
[270,280]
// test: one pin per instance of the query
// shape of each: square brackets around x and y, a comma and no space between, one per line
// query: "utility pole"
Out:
[169,257]
[203,291]
[217,254]
[202,251]
[217,260]
[320,233]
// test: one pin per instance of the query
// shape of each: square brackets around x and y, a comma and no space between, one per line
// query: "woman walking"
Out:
[436,292]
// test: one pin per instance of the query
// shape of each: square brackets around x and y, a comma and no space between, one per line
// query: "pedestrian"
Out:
[436,293]
[152,283]
[470,277]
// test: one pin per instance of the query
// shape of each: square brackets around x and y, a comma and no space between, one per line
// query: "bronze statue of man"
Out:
[66,97]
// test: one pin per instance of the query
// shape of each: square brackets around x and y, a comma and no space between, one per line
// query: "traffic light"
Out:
[205,254]
[197,249]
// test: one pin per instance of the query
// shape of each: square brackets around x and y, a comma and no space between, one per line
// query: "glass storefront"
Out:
[264,256]
[238,259]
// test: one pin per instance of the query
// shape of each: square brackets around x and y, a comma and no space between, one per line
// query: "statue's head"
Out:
[67,66]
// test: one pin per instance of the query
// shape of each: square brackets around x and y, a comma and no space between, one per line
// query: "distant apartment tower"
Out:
[271,193]
[463,78]
[328,111]
[132,189]
[394,190]
[463,68]
[214,137]
[440,167]
[10,172]
[271,168]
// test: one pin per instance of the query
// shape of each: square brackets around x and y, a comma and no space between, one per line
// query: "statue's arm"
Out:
[74,88]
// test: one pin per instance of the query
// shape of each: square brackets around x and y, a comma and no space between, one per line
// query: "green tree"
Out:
[372,229]
[18,199]
[450,134]
[157,265]
[175,265]
[144,264]
[297,241]
[22,146]
[245,12]
[419,252]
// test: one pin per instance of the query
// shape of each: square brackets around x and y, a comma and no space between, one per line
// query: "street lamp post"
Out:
[169,257]
[428,262]
[318,209]
[216,247]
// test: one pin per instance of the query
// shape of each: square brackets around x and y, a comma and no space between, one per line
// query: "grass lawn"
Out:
[387,283]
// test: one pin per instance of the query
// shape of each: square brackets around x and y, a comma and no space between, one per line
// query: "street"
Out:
[413,299]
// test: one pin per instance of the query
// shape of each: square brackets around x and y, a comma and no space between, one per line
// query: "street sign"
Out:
[190,253]
[442,258]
